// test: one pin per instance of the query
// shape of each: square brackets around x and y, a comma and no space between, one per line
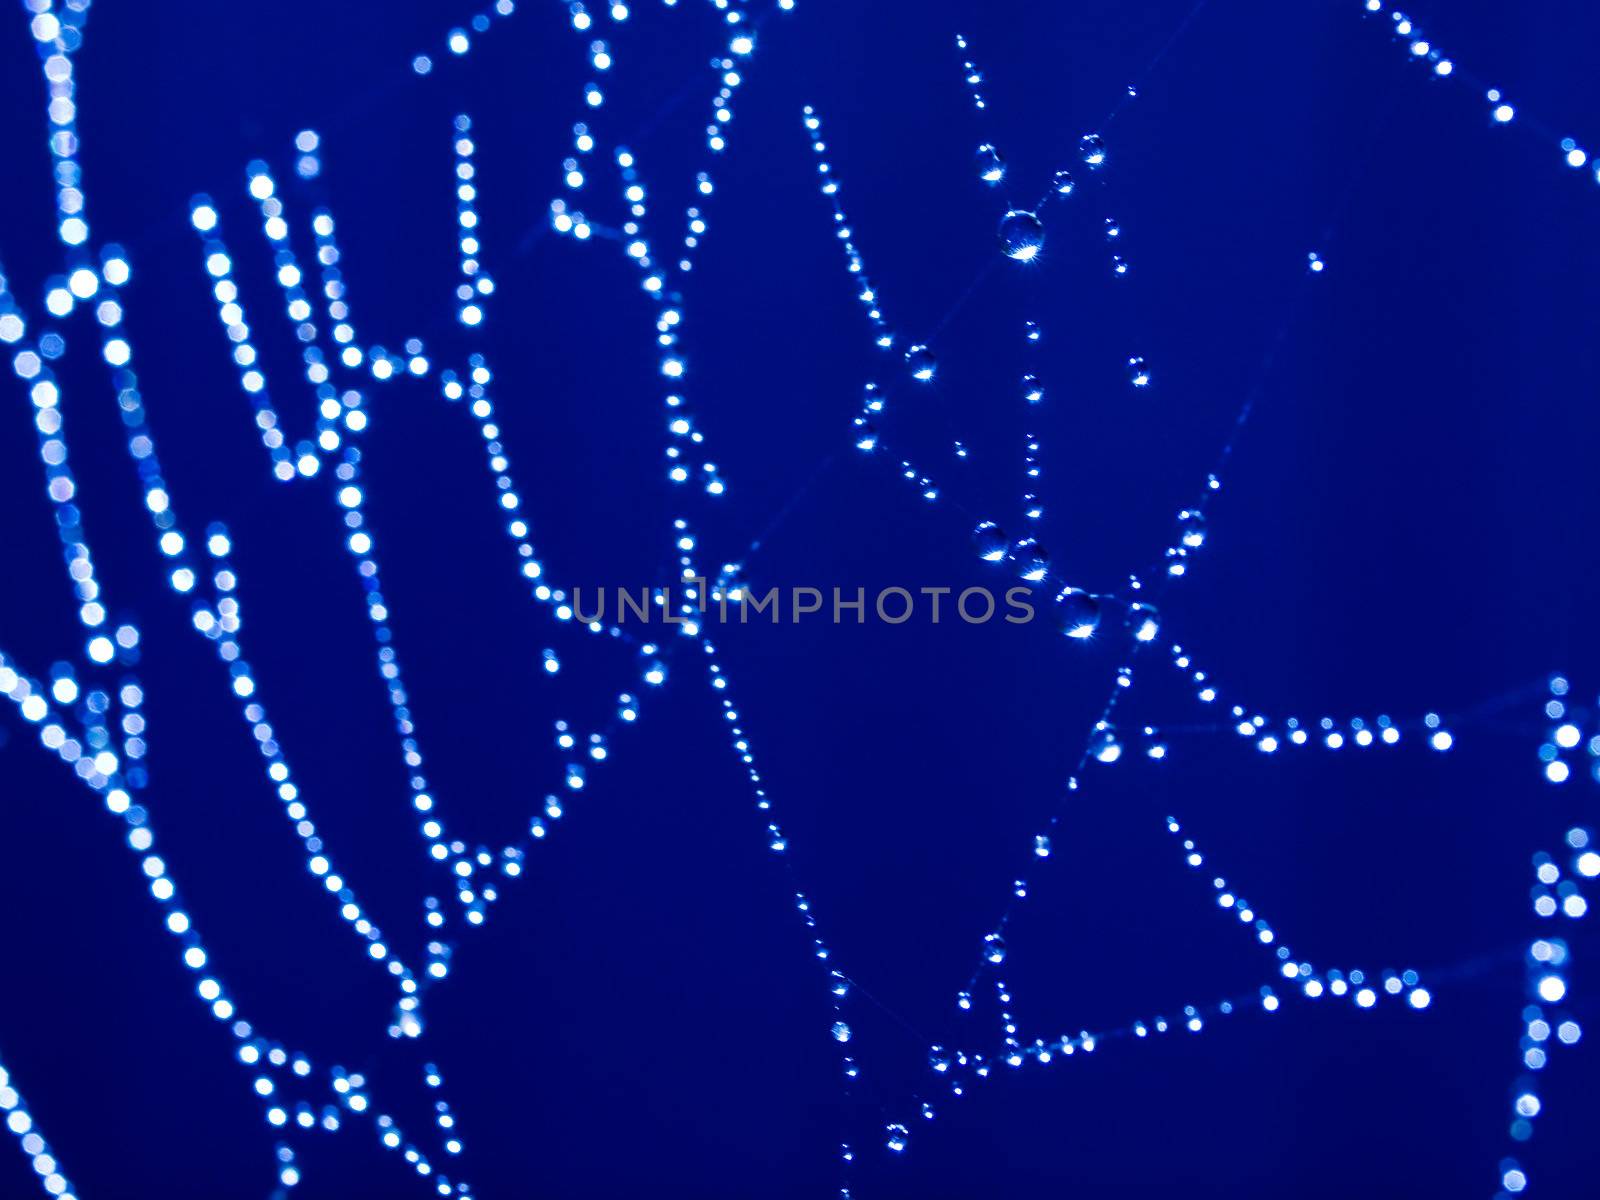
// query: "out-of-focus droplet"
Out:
[1041,845]
[866,434]
[1103,744]
[922,363]
[994,948]
[1192,528]
[1031,560]
[1138,372]
[1021,235]
[991,167]
[1077,613]
[1092,149]
[1030,330]
[841,1031]
[939,1059]
[990,541]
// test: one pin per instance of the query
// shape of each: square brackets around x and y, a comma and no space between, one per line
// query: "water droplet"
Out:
[1064,183]
[1031,560]
[866,434]
[1119,265]
[1103,744]
[1144,621]
[994,948]
[991,167]
[1092,149]
[964,1000]
[1021,235]
[898,1135]
[1032,389]
[1077,613]
[841,1032]
[1138,372]
[1032,507]
[838,984]
[939,1059]
[1041,845]
[1113,230]
[990,541]
[1031,331]
[1192,528]
[922,363]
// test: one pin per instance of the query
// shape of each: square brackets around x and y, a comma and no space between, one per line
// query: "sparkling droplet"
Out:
[1032,389]
[898,1135]
[1064,183]
[866,434]
[841,1032]
[964,1000]
[939,1059]
[994,948]
[1031,560]
[1032,507]
[922,363]
[1092,149]
[1192,528]
[1031,330]
[1021,235]
[1041,845]
[1104,745]
[991,167]
[1077,613]
[990,541]
[1144,621]
[838,984]
[1138,372]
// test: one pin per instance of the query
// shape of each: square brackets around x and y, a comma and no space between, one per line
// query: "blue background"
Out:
[1408,523]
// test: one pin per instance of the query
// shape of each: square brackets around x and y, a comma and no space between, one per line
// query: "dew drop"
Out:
[1032,507]
[1104,745]
[866,434]
[1192,528]
[1032,389]
[1092,149]
[939,1059]
[922,363]
[838,984]
[994,948]
[898,1135]
[841,1031]
[1031,331]
[1064,183]
[990,541]
[1031,560]
[1021,235]
[1144,621]
[1077,613]
[1041,845]
[991,167]
[1138,372]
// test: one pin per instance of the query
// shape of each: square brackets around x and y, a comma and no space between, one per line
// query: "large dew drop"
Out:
[990,541]
[991,167]
[1031,560]
[922,363]
[1092,149]
[1077,613]
[1021,235]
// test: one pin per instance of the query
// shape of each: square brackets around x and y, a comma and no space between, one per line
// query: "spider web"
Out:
[91,712]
